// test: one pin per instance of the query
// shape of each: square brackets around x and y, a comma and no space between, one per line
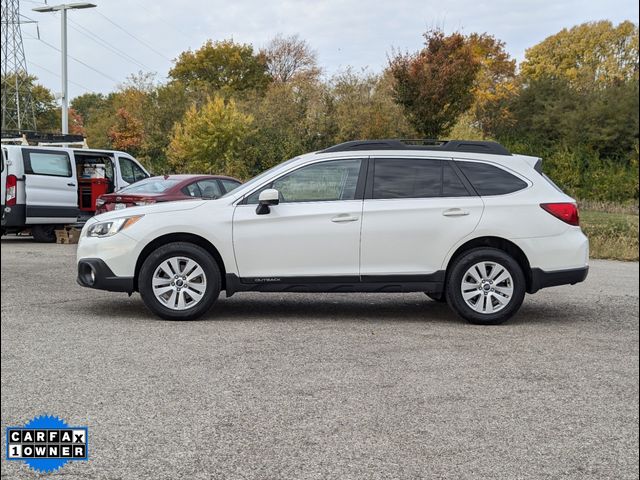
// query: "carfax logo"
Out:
[46,443]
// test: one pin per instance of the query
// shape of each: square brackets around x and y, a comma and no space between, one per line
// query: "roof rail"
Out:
[43,139]
[471,146]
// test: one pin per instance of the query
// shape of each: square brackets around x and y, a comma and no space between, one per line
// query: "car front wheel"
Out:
[179,281]
[486,286]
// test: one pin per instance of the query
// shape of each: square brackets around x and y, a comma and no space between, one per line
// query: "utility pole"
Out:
[17,104]
[62,8]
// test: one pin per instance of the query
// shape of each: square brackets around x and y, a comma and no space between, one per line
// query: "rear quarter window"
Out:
[490,180]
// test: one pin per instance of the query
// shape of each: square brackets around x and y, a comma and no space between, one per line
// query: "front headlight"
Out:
[111,227]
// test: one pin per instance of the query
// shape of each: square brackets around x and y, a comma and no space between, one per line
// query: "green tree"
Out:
[364,108]
[434,85]
[100,120]
[587,56]
[211,140]
[45,108]
[223,66]
[48,114]
[88,103]
[291,118]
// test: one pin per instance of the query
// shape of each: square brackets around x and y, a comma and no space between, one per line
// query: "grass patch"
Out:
[611,235]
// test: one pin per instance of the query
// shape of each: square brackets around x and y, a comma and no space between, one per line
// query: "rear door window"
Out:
[210,188]
[406,178]
[452,186]
[192,190]
[490,180]
[416,178]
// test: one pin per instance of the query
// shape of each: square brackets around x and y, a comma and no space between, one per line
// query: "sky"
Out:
[121,37]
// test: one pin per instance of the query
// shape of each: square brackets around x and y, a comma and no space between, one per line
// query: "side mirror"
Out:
[267,197]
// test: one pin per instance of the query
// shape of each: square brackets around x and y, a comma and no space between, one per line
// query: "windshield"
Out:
[255,180]
[151,185]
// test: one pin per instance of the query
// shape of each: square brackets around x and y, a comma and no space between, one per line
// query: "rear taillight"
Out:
[12,190]
[567,212]
[145,201]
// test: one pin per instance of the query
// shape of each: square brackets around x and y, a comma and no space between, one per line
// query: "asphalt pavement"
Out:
[342,386]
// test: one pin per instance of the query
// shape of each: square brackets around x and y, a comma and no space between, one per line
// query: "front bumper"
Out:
[541,279]
[94,273]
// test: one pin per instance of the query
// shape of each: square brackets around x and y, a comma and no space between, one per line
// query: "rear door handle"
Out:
[455,212]
[344,218]
[71,184]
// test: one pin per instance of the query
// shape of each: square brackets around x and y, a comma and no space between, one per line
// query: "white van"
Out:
[43,188]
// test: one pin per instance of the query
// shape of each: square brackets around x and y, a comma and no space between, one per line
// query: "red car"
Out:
[167,188]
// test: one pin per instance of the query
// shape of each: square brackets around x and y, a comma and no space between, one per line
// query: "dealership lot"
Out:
[323,386]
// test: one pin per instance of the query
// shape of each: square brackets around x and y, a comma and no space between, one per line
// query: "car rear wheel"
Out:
[485,286]
[179,281]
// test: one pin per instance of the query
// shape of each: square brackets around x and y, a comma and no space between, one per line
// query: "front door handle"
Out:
[455,212]
[344,218]
[71,184]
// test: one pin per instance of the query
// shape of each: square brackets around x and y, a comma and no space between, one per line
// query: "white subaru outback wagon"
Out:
[465,222]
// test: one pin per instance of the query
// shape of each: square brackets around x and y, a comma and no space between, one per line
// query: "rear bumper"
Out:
[541,279]
[13,216]
[94,273]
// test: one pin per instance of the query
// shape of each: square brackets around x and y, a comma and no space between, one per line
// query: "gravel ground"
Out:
[323,386]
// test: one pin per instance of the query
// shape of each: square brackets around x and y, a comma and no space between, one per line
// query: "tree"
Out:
[495,83]
[434,85]
[590,55]
[211,140]
[45,109]
[224,67]
[128,132]
[289,119]
[87,104]
[363,108]
[76,125]
[290,57]
[48,114]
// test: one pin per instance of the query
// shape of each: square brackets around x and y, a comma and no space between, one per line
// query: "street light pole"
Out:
[65,84]
[63,40]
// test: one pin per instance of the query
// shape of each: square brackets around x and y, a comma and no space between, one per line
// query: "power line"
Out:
[87,89]
[142,42]
[105,43]
[168,24]
[75,59]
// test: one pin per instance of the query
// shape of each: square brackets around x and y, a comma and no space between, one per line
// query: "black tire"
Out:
[437,297]
[44,233]
[459,269]
[188,251]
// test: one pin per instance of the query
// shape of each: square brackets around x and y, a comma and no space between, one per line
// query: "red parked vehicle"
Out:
[167,188]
